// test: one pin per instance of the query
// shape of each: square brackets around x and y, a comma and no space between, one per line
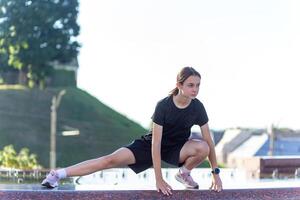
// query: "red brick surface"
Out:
[242,194]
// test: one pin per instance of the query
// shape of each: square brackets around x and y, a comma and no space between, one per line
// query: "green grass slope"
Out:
[25,122]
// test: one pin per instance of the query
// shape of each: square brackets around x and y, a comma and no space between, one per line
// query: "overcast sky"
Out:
[248,53]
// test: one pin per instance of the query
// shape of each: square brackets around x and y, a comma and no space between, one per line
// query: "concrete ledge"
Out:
[239,194]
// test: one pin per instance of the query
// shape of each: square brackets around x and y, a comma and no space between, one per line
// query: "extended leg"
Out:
[120,157]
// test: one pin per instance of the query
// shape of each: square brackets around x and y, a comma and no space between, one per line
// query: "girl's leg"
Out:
[193,153]
[120,157]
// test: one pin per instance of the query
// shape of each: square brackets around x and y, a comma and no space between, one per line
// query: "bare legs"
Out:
[120,157]
[193,153]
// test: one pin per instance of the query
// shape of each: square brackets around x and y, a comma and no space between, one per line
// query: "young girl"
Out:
[168,140]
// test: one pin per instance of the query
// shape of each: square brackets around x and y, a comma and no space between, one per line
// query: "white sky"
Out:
[248,53]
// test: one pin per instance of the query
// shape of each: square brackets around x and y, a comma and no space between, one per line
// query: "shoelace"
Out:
[189,179]
[53,175]
[185,177]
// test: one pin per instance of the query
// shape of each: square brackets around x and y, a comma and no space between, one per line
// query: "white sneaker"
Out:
[186,180]
[52,179]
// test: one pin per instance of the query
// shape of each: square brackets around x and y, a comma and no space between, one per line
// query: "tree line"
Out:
[36,33]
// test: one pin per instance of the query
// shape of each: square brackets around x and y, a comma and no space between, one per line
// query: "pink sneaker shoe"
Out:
[186,180]
[51,181]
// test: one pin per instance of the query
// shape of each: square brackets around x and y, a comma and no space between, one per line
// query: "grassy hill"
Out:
[25,122]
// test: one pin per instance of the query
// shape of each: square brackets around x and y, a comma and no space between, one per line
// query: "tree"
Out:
[22,160]
[8,156]
[34,33]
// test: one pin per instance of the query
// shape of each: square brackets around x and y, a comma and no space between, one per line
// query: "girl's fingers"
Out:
[170,190]
[220,188]
[216,187]
[165,191]
[164,188]
[211,186]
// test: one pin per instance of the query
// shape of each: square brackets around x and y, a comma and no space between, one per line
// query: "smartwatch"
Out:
[216,171]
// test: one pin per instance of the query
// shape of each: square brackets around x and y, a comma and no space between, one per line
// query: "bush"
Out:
[22,160]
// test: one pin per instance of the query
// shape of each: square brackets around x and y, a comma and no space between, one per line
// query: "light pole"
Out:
[53,118]
[271,138]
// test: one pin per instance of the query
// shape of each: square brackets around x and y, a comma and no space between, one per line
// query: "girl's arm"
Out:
[161,185]
[212,153]
[216,182]
[156,146]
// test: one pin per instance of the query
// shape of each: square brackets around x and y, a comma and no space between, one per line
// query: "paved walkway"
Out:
[66,192]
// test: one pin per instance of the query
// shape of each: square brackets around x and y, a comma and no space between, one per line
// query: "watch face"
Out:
[217,170]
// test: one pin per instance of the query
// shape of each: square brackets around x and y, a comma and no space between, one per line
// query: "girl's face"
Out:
[190,87]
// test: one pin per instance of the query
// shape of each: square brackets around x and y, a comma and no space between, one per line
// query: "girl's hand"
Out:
[216,184]
[164,187]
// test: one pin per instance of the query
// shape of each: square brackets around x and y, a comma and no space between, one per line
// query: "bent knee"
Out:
[202,148]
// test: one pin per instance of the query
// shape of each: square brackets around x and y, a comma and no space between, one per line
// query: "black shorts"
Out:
[141,150]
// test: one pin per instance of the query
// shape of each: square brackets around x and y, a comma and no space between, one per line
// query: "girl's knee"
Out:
[202,148]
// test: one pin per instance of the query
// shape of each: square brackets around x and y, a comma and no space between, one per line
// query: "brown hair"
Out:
[184,74]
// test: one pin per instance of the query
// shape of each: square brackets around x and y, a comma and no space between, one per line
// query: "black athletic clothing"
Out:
[143,157]
[176,124]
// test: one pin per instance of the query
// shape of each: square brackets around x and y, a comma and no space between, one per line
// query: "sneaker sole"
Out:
[47,185]
[187,186]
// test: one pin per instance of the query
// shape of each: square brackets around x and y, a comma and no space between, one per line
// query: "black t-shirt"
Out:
[177,122]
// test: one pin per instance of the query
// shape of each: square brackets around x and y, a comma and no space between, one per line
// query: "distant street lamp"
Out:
[271,139]
[53,123]
[70,131]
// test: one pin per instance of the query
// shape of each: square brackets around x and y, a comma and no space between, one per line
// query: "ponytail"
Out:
[174,92]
